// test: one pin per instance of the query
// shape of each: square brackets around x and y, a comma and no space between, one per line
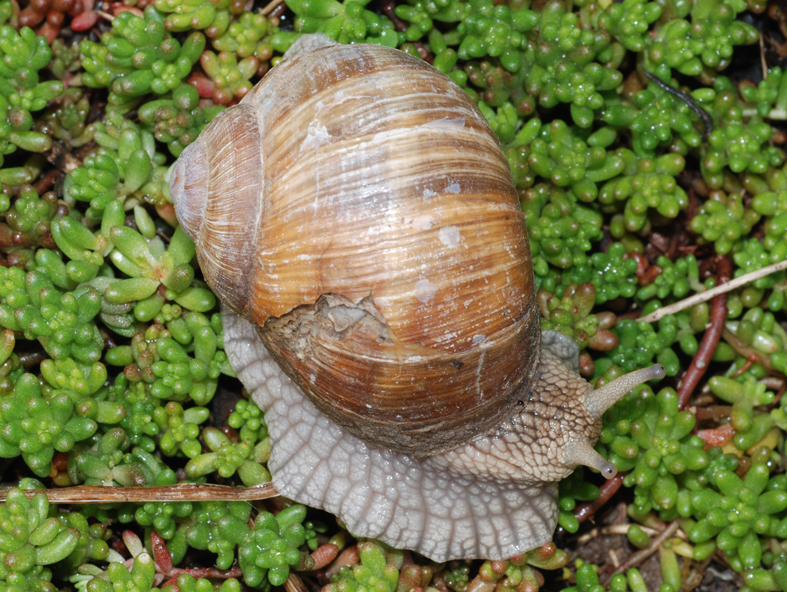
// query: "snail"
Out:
[356,217]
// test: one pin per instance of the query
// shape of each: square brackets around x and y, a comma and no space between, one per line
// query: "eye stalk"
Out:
[581,452]
[601,399]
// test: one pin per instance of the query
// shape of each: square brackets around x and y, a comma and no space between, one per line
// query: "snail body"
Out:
[356,217]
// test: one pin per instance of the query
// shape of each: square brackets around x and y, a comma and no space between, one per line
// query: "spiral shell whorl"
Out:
[215,186]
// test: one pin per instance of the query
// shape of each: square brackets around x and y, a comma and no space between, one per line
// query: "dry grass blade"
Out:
[623,529]
[270,7]
[708,294]
[294,583]
[710,340]
[180,492]
[640,556]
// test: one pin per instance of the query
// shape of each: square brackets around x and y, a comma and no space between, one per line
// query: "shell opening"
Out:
[599,400]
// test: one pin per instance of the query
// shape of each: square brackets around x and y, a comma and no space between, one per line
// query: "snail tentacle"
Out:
[581,452]
[601,399]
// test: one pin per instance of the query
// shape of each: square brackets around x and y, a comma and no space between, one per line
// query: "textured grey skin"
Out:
[493,498]
[562,347]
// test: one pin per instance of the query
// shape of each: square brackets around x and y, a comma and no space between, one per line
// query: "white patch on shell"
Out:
[446,338]
[316,136]
[453,188]
[449,236]
[447,124]
[424,222]
[424,291]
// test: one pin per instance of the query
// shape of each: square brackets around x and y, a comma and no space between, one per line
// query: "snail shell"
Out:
[375,237]
[357,218]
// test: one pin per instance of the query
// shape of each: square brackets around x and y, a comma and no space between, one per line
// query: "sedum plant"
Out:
[645,168]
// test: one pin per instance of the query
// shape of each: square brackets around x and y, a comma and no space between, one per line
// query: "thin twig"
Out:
[180,492]
[708,294]
[712,413]
[746,351]
[47,180]
[640,556]
[696,574]
[750,361]
[707,120]
[763,62]
[623,529]
[718,314]
[270,7]
[294,583]
[208,572]
[608,489]
[613,557]
[773,383]
[778,113]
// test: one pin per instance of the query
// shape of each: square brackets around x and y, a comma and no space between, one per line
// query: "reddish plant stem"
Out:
[608,489]
[778,396]
[634,314]
[209,572]
[710,340]
[164,568]
[750,361]
[747,352]
[712,412]
[47,180]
